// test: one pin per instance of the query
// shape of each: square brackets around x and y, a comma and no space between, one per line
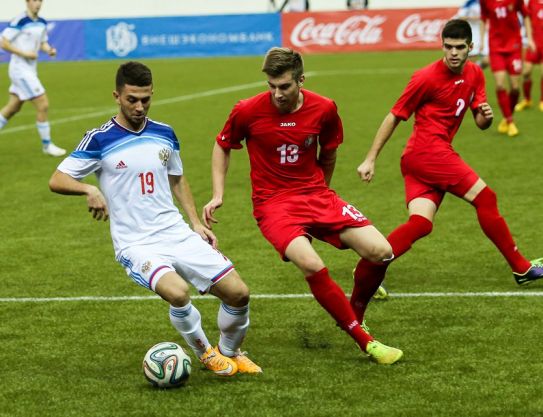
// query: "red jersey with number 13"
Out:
[439,98]
[504,26]
[283,147]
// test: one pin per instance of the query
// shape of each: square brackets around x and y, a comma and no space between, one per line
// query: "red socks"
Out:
[332,298]
[513,99]
[496,229]
[505,104]
[527,89]
[368,276]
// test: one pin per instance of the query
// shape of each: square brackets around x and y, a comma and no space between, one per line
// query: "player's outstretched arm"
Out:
[366,169]
[181,190]
[220,160]
[483,116]
[62,183]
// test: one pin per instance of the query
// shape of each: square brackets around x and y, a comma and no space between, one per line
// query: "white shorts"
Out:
[190,256]
[26,86]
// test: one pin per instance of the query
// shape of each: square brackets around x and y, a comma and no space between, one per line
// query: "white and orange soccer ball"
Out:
[166,365]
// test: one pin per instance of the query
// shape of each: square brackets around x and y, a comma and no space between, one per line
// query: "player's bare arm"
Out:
[62,183]
[484,116]
[220,160]
[366,169]
[181,190]
[8,47]
[48,49]
[327,161]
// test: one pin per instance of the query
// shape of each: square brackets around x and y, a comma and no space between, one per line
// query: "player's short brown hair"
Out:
[279,60]
[133,73]
[457,29]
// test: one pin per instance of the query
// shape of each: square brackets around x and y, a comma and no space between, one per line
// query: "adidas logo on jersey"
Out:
[121,165]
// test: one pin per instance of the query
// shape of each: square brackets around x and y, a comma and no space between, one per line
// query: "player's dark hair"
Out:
[133,73]
[457,29]
[279,60]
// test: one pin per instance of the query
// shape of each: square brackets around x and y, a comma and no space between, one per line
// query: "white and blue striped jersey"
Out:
[27,35]
[132,169]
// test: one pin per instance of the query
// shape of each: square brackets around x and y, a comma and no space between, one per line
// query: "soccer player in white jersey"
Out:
[25,36]
[138,166]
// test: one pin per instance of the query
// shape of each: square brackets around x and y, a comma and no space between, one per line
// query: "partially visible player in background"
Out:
[292,135]
[501,21]
[138,165]
[470,11]
[25,36]
[439,95]
[533,57]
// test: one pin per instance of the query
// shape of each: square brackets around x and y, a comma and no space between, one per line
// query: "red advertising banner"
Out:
[364,30]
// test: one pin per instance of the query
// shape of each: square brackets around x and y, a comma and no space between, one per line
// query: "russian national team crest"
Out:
[164,155]
[309,141]
[146,267]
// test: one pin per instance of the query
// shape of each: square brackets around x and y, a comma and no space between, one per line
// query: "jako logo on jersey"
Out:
[121,165]
[164,155]
[458,82]
[287,124]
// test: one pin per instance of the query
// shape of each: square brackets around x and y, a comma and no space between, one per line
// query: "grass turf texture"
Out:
[463,356]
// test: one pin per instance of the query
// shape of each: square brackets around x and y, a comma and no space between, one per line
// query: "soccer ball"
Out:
[166,365]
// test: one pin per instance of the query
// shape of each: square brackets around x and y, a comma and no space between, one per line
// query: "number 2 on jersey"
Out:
[461,104]
[147,181]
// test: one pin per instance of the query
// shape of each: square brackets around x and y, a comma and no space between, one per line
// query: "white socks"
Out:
[44,130]
[3,121]
[188,322]
[233,323]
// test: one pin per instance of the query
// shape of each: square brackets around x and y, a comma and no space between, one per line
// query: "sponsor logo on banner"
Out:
[121,39]
[359,29]
[377,30]
[416,29]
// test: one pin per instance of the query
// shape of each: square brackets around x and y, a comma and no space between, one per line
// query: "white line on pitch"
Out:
[275,296]
[112,110]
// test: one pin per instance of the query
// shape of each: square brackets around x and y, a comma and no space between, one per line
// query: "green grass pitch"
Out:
[464,356]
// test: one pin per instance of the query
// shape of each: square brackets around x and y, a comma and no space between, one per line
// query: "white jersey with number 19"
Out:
[132,169]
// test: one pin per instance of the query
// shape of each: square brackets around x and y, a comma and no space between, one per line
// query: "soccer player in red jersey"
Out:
[533,56]
[501,19]
[439,95]
[291,136]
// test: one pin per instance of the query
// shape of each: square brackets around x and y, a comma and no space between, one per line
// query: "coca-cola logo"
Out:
[415,29]
[359,29]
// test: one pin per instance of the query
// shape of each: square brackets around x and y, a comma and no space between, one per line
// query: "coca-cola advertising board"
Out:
[365,30]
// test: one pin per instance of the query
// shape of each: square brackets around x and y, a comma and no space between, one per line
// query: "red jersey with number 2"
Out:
[283,147]
[504,26]
[439,98]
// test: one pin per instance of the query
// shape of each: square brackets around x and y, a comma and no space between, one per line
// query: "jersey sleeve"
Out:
[484,10]
[234,130]
[414,94]
[480,90]
[44,35]
[521,7]
[175,165]
[332,133]
[11,31]
[86,159]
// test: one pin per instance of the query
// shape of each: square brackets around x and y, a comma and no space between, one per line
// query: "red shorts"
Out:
[321,214]
[432,176]
[506,61]
[534,57]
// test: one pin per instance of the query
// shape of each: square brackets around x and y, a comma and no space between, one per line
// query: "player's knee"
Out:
[178,298]
[310,265]
[379,253]
[238,296]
